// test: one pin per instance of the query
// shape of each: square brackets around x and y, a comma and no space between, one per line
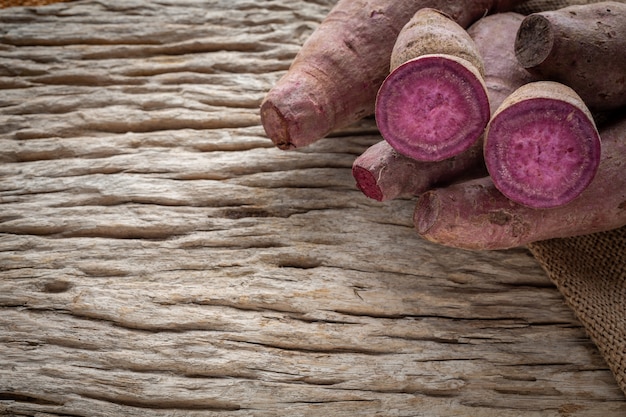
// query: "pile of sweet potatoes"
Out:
[508,128]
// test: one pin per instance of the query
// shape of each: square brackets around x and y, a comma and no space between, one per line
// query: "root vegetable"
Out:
[433,105]
[475,215]
[494,36]
[541,147]
[381,173]
[334,78]
[582,46]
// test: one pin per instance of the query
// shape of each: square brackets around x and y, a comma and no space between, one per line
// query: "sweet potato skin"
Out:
[333,80]
[430,31]
[582,46]
[494,36]
[475,215]
[323,88]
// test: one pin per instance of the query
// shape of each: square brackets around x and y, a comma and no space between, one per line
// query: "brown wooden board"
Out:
[158,256]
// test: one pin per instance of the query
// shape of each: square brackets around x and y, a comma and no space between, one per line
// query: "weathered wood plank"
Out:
[159,256]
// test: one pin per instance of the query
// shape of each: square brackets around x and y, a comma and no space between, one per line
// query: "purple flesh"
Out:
[432,108]
[542,153]
[366,182]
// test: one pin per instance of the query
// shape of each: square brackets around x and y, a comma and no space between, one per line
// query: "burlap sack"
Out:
[590,272]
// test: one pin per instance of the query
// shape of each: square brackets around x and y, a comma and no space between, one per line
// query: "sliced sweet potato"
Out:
[542,148]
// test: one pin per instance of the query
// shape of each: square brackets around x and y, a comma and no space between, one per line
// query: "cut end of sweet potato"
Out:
[367,183]
[295,112]
[542,152]
[534,41]
[432,107]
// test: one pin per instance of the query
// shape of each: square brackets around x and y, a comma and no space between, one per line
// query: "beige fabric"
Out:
[590,272]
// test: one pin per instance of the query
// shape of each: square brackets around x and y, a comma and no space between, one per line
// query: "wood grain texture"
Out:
[159,256]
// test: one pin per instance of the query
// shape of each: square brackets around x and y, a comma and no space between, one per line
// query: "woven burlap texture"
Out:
[590,272]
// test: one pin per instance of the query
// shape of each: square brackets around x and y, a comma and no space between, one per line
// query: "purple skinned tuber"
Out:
[382,174]
[582,46]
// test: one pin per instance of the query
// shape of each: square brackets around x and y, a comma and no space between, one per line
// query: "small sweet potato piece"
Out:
[382,173]
[582,46]
[542,148]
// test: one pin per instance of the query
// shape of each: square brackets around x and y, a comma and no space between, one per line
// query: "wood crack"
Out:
[335,350]
[27,398]
[207,404]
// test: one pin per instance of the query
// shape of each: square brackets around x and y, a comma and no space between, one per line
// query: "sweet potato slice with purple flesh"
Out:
[432,107]
[434,104]
[542,148]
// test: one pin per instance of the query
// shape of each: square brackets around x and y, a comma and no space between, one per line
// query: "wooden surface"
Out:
[159,257]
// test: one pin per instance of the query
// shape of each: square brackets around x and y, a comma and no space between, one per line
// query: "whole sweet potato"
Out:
[334,79]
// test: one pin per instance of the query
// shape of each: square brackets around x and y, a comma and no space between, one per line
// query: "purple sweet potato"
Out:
[582,46]
[381,173]
[334,79]
[434,104]
[495,36]
[476,215]
[541,147]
